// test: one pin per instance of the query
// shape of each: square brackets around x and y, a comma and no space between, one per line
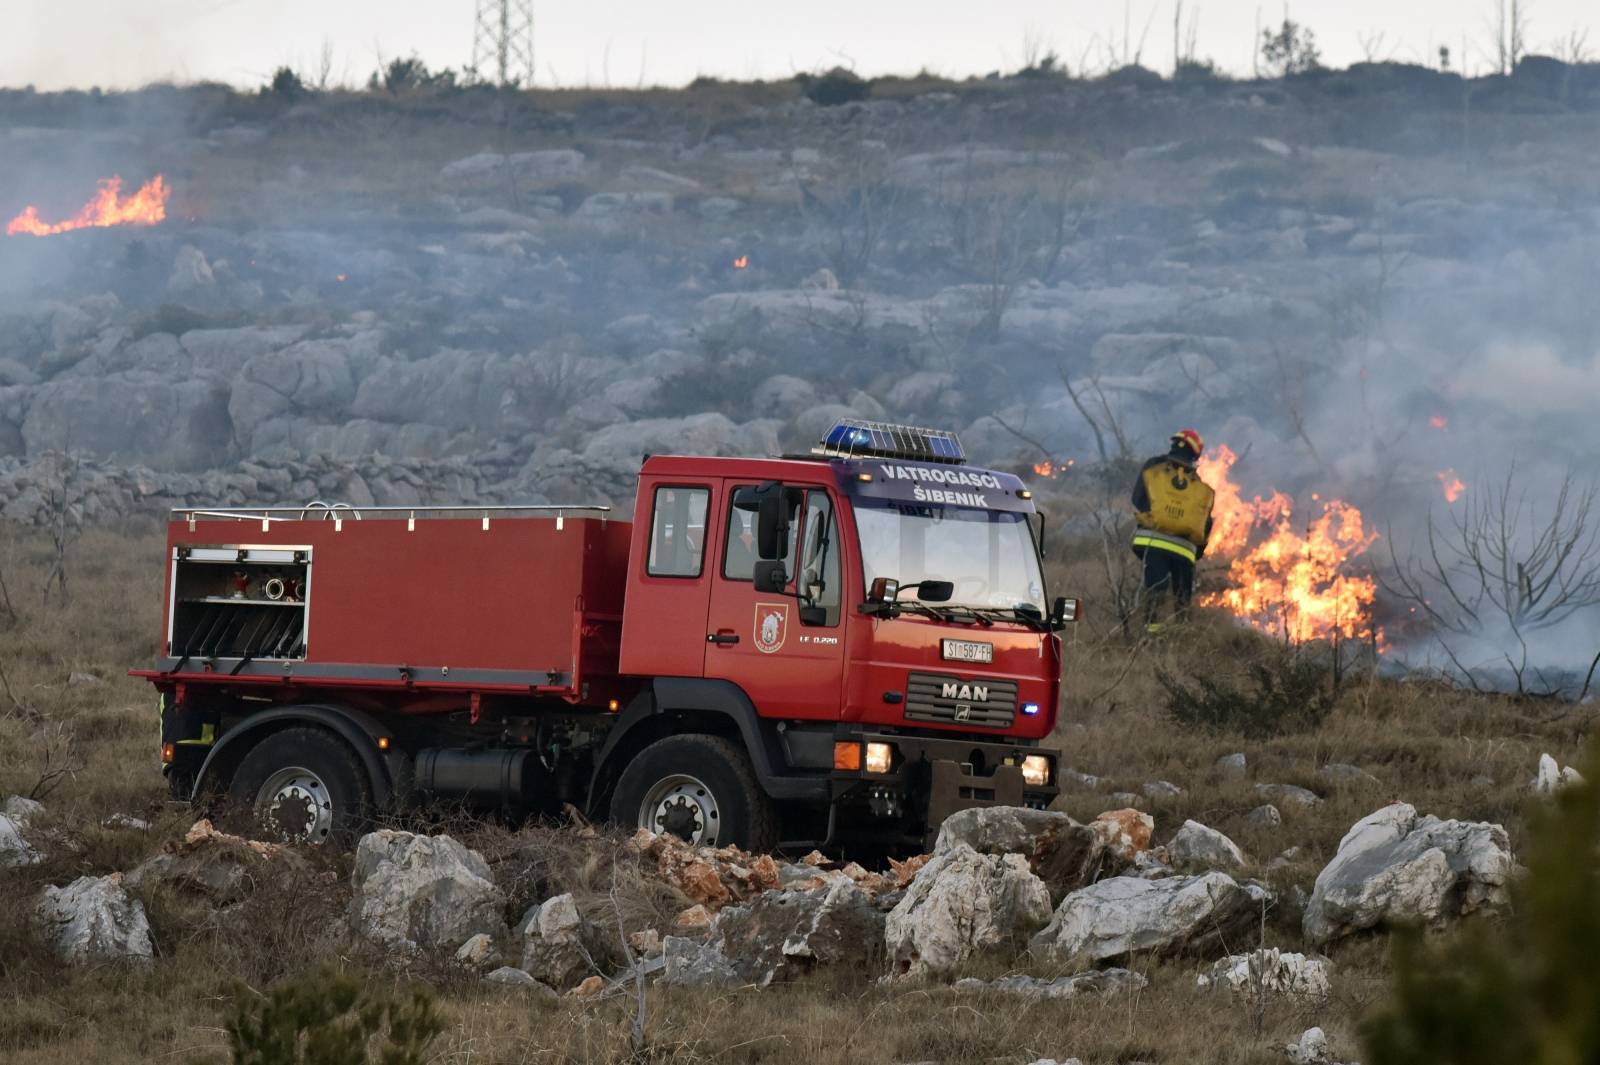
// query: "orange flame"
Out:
[1293,584]
[1438,421]
[741,262]
[1453,486]
[1053,467]
[1232,516]
[144,208]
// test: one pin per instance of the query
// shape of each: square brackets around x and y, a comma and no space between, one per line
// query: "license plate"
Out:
[968,651]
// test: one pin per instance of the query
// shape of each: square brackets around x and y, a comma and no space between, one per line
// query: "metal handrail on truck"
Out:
[317,510]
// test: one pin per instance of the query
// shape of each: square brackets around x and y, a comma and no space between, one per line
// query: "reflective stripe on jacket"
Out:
[1176,544]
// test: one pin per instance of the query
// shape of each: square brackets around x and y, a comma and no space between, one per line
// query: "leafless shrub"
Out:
[852,220]
[1499,561]
[58,758]
[63,514]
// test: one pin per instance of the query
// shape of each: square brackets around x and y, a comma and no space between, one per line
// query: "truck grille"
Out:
[954,701]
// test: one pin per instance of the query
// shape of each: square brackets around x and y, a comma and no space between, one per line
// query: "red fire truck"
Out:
[851,643]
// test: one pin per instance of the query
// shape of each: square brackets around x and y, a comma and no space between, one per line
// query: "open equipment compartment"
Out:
[239,601]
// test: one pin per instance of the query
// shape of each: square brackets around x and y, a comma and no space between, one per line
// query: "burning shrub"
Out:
[837,86]
[1285,688]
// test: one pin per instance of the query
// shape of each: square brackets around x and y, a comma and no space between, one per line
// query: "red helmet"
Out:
[1191,440]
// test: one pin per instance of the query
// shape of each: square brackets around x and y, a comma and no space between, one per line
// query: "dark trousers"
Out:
[1164,572]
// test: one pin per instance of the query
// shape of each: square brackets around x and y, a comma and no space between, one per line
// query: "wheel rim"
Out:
[294,804]
[682,806]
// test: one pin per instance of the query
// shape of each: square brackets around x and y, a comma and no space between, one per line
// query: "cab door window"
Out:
[818,577]
[739,554]
[678,531]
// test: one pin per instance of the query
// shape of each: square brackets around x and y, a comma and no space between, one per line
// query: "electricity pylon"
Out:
[502,42]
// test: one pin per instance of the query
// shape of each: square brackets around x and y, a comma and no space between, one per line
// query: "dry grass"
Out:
[1423,743]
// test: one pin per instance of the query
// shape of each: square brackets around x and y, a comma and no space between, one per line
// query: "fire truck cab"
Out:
[808,650]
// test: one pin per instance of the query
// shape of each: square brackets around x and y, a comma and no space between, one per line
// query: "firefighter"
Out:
[1172,511]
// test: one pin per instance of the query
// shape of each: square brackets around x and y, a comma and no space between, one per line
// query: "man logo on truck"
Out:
[976,693]
[772,626]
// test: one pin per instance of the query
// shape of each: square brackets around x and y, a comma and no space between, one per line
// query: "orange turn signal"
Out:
[168,753]
[612,705]
[383,743]
[847,756]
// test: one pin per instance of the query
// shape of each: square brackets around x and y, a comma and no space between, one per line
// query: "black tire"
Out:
[329,771]
[744,815]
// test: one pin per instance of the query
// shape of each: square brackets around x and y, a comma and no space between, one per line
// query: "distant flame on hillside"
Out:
[1052,467]
[1453,486]
[146,207]
[1295,584]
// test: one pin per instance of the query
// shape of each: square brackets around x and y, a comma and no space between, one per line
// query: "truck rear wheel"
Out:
[301,785]
[699,788]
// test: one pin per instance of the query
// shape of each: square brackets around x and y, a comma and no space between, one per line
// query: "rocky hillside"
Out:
[483,296]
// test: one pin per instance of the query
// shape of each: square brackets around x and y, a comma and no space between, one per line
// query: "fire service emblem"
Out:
[772,626]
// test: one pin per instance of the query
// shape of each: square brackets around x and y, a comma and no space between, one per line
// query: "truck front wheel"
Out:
[699,788]
[301,785]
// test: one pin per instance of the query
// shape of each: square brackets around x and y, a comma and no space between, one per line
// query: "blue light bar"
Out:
[853,438]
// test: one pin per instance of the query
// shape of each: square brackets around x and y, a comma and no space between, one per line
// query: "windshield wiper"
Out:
[929,610]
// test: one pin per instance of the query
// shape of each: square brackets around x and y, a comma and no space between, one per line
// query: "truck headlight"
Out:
[879,755]
[1036,770]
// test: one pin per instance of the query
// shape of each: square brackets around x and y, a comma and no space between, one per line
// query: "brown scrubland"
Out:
[87,748]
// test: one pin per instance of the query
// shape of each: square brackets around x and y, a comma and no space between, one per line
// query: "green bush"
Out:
[286,85]
[837,86]
[1525,991]
[1286,688]
[325,1017]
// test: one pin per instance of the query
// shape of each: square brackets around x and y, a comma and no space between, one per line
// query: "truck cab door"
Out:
[785,651]
[664,616]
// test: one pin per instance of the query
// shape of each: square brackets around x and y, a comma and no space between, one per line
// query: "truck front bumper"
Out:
[931,778]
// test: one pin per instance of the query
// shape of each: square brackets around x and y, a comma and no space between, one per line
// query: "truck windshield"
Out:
[988,555]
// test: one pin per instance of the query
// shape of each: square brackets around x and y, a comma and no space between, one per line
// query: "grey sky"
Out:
[118,43]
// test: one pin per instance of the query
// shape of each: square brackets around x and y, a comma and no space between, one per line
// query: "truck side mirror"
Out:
[772,520]
[770,576]
[883,590]
[935,591]
[1063,612]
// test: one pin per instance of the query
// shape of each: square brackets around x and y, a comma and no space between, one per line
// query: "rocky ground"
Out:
[1194,897]
[475,296]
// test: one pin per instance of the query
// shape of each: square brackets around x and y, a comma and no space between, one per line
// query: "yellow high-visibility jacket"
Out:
[1172,507]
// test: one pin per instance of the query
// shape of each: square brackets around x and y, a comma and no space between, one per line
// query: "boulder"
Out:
[690,963]
[21,809]
[780,934]
[95,919]
[137,416]
[1232,765]
[1161,789]
[1288,793]
[1553,776]
[214,865]
[477,953]
[1264,817]
[1310,1049]
[961,903]
[1270,971]
[15,850]
[508,976]
[414,892]
[1092,982]
[190,272]
[1126,832]
[1340,773]
[1396,866]
[1061,852]
[1198,847]
[1126,915]
[561,946]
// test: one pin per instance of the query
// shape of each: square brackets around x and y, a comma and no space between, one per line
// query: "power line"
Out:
[502,42]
